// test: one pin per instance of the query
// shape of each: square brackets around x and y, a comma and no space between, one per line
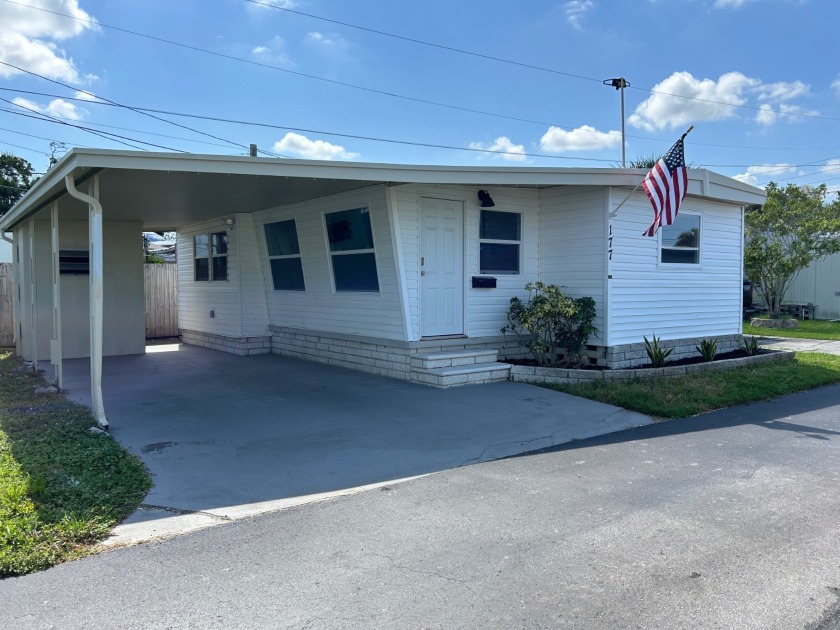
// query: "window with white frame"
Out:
[680,241]
[210,252]
[500,240]
[281,241]
[350,238]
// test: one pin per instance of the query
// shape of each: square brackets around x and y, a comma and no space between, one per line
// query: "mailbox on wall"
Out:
[483,282]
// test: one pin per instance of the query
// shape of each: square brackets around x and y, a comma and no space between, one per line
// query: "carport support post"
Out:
[55,343]
[33,303]
[96,292]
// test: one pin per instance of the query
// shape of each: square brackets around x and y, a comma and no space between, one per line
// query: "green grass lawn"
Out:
[679,397]
[61,487]
[807,329]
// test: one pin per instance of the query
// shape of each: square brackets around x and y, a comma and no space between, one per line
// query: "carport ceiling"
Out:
[168,200]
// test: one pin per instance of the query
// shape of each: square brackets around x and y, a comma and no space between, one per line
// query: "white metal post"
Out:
[95,239]
[33,306]
[56,356]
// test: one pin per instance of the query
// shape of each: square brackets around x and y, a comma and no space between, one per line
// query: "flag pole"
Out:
[630,194]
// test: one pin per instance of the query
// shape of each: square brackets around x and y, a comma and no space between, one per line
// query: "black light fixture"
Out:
[485,199]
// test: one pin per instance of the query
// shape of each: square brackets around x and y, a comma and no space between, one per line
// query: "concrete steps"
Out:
[462,367]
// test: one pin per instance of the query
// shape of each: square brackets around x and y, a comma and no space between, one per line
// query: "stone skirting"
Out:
[634,354]
[234,345]
[378,356]
[560,376]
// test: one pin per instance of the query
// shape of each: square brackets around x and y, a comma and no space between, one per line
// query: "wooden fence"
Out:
[161,300]
[7,320]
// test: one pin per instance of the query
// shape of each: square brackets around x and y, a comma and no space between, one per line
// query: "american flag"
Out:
[665,186]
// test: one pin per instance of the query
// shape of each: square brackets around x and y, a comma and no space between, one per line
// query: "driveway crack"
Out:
[404,567]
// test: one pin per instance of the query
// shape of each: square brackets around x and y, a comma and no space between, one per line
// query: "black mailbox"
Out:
[483,282]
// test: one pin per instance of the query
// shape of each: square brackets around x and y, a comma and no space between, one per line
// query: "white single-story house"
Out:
[400,270]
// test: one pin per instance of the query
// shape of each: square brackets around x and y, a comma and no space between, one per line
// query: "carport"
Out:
[102,201]
[230,436]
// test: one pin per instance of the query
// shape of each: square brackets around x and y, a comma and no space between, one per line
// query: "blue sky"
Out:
[763,82]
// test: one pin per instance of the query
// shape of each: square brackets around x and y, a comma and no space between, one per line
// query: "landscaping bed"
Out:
[62,486]
[694,392]
[691,365]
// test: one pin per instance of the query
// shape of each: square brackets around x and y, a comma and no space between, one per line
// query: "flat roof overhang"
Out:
[169,190]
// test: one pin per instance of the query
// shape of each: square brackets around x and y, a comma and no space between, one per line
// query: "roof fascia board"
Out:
[37,197]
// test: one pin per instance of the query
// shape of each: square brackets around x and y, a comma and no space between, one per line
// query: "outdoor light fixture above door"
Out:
[485,199]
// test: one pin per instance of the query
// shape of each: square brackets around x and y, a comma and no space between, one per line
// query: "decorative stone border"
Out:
[561,376]
[774,323]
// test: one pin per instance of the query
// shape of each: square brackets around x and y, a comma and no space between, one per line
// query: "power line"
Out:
[42,116]
[138,111]
[294,72]
[92,124]
[508,61]
[17,146]
[404,142]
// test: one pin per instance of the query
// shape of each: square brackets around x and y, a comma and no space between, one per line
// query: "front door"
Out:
[441,267]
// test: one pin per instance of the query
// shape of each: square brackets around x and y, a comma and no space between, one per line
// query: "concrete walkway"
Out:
[227,437]
[802,345]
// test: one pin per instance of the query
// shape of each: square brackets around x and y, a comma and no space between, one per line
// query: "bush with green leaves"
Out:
[751,345]
[552,321]
[707,349]
[657,354]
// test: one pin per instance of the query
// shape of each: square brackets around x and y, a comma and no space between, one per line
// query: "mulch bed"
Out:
[734,354]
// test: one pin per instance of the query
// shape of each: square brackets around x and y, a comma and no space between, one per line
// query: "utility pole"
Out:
[619,84]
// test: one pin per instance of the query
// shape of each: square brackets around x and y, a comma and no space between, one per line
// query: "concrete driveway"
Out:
[228,436]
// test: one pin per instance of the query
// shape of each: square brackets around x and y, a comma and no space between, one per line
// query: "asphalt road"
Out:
[728,520]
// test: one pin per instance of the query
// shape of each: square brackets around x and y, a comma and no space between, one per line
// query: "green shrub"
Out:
[658,356]
[553,320]
[751,345]
[707,349]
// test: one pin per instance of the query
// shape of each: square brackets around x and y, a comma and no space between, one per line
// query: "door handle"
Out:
[422,273]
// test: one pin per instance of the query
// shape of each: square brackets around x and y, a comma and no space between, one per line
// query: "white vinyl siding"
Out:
[486,309]
[573,241]
[320,308]
[674,301]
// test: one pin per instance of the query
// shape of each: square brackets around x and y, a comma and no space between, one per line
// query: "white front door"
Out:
[441,267]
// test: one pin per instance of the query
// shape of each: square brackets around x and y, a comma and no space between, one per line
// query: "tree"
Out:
[795,227]
[15,179]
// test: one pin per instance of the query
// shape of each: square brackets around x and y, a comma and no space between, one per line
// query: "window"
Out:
[351,250]
[681,240]
[284,256]
[499,236]
[210,252]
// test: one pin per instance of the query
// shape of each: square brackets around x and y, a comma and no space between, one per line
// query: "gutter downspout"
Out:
[96,292]
[15,305]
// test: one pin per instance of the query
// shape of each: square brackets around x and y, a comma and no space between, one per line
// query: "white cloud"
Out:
[301,146]
[507,149]
[832,166]
[273,53]
[56,107]
[575,10]
[782,91]
[729,4]
[763,170]
[584,138]
[835,85]
[331,42]
[767,115]
[712,100]
[265,4]
[28,38]
[87,96]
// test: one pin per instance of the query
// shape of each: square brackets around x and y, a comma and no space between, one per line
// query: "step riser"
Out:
[442,360]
